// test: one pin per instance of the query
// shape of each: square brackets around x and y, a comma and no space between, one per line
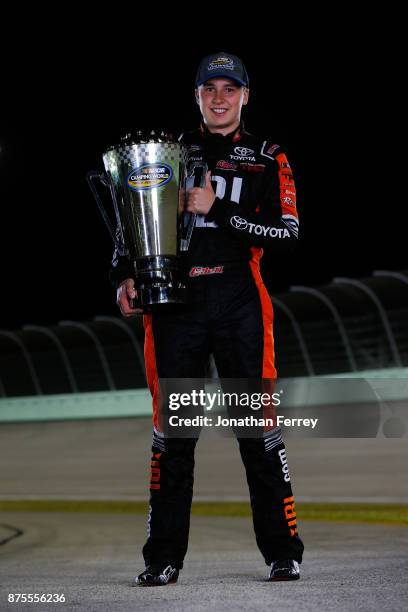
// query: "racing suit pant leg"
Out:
[272,501]
[247,336]
[175,347]
[171,493]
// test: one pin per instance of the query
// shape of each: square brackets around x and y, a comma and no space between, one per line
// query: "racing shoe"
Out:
[158,575]
[284,569]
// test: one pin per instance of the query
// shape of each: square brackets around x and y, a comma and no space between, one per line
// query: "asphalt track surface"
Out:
[92,558]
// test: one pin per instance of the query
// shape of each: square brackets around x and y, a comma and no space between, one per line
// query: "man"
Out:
[248,202]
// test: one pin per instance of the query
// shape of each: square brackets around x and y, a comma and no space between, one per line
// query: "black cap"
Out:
[222,65]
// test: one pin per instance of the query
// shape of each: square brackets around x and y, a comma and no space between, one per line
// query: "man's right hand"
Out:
[125,295]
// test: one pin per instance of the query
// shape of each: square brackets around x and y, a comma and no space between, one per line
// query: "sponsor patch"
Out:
[226,165]
[290,514]
[288,176]
[155,471]
[243,151]
[260,230]
[205,270]
[272,149]
[284,462]
[253,168]
[241,158]
[149,176]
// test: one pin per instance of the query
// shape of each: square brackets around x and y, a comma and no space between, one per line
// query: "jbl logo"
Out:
[290,514]
[155,471]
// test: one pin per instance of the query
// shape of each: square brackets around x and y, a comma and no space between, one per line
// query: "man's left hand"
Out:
[200,199]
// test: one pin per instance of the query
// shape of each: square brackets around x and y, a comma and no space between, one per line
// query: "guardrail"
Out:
[388,385]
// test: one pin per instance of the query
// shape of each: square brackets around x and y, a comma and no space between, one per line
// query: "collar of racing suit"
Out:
[219,139]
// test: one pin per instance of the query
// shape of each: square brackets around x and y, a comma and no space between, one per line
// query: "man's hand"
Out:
[200,199]
[125,293]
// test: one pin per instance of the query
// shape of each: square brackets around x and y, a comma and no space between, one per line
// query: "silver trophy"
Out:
[146,176]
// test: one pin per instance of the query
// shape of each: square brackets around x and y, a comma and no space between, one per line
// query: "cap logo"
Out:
[226,63]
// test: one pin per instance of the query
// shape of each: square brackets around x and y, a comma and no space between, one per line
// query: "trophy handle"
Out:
[196,178]
[117,236]
[199,170]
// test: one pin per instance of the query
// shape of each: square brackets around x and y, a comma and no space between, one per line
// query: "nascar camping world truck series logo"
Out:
[221,62]
[149,176]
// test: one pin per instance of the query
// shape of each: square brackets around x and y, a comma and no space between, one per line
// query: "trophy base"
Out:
[158,283]
[156,294]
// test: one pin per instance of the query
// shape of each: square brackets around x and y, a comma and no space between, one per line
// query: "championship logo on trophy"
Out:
[146,175]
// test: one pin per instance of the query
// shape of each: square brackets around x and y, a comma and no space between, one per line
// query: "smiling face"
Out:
[220,102]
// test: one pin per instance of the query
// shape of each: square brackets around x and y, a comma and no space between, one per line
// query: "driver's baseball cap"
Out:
[222,65]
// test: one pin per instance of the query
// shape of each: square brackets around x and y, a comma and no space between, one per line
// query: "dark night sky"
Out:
[55,251]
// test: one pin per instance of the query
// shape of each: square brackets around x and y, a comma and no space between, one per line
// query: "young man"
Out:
[248,203]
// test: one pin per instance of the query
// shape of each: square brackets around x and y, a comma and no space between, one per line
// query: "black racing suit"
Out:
[229,315]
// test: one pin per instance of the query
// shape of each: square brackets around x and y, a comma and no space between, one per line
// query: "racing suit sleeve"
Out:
[274,224]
